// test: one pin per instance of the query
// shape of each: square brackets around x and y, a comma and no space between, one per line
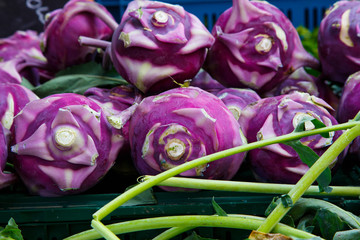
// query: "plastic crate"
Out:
[56,218]
[306,13]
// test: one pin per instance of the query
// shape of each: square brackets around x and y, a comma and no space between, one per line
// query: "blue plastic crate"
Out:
[306,13]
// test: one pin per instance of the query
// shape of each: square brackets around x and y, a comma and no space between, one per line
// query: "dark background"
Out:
[25,14]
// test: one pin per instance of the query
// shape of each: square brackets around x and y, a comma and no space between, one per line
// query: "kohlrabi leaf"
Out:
[219,211]
[347,235]
[310,206]
[27,84]
[90,68]
[309,39]
[11,231]
[317,123]
[328,223]
[77,83]
[309,157]
[284,199]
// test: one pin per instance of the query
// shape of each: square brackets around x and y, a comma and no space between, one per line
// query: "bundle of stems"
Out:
[265,225]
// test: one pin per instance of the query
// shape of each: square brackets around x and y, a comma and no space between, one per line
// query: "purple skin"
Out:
[256,46]
[21,52]
[236,99]
[275,116]
[63,29]
[63,145]
[204,81]
[6,179]
[157,43]
[338,41]
[180,125]
[301,81]
[114,103]
[349,106]
[13,98]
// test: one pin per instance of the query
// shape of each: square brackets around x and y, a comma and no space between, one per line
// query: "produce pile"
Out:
[159,95]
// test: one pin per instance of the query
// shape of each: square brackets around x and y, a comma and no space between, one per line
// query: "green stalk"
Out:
[310,176]
[246,222]
[134,191]
[121,199]
[252,187]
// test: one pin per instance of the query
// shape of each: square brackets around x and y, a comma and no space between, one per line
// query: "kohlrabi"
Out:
[118,104]
[6,178]
[349,106]
[21,56]
[157,44]
[338,41]
[13,98]
[63,144]
[63,28]
[236,99]
[204,81]
[180,125]
[255,46]
[276,116]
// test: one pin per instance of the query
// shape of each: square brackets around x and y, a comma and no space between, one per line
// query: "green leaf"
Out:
[275,201]
[144,198]
[90,68]
[309,206]
[309,157]
[300,127]
[328,223]
[286,200]
[27,84]
[77,83]
[306,223]
[195,236]
[11,231]
[357,117]
[309,39]
[219,211]
[347,235]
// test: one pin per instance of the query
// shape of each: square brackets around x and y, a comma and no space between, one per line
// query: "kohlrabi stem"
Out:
[252,187]
[134,191]
[98,12]
[310,176]
[93,42]
[246,222]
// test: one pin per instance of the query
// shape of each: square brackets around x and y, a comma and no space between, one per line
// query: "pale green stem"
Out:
[134,191]
[246,222]
[252,187]
[310,176]
[124,197]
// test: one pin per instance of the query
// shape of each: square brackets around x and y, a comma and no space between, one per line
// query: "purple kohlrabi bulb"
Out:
[302,81]
[6,179]
[180,125]
[13,98]
[256,46]
[157,43]
[349,106]
[204,81]
[21,56]
[338,41]
[21,53]
[236,99]
[275,116]
[64,27]
[63,144]
[117,105]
